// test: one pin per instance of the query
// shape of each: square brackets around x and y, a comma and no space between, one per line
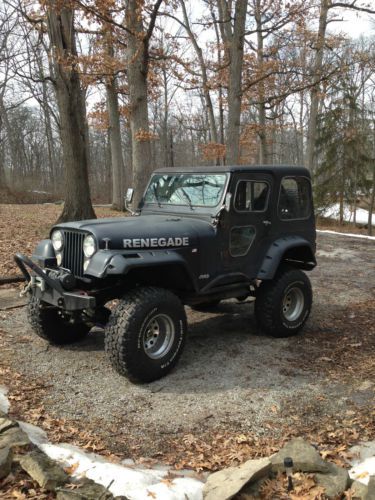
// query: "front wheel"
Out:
[145,335]
[49,323]
[283,305]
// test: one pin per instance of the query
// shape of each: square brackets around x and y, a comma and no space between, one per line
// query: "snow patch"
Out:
[364,463]
[333,212]
[134,482]
[349,235]
[363,470]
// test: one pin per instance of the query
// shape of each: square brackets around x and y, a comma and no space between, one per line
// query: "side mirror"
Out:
[228,199]
[129,195]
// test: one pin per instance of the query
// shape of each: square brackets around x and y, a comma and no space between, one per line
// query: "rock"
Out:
[6,423]
[6,457]
[14,437]
[305,457]
[224,484]
[358,491]
[89,490]
[43,470]
[370,495]
[335,482]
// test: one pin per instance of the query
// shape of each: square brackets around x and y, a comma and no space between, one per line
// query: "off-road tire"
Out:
[272,298]
[49,325]
[128,327]
[206,306]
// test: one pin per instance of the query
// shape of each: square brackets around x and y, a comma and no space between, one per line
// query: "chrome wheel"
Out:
[293,304]
[158,336]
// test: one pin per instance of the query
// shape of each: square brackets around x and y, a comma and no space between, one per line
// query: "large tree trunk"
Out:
[317,72]
[234,40]
[137,70]
[72,110]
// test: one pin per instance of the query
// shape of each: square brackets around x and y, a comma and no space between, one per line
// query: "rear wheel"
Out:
[283,305]
[146,334]
[49,323]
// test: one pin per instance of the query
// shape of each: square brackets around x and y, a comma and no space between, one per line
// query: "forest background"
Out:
[96,94]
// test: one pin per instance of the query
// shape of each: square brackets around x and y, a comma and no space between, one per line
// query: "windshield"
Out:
[202,190]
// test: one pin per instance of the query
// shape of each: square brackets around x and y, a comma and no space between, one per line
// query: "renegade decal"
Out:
[156,242]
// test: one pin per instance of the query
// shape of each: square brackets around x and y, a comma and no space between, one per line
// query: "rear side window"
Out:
[241,239]
[251,196]
[295,198]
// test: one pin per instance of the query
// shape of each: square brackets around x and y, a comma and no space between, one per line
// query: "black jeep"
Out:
[199,236]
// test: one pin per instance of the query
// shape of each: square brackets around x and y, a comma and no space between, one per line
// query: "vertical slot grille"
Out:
[73,252]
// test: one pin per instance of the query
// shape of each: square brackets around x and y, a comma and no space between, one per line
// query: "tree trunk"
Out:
[10,137]
[263,153]
[48,125]
[72,110]
[137,70]
[317,71]
[117,161]
[220,97]
[234,40]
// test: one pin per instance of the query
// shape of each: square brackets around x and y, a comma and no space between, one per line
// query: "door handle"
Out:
[267,222]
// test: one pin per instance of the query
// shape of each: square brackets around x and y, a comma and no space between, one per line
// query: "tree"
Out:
[232,25]
[117,160]
[317,72]
[72,111]
[138,57]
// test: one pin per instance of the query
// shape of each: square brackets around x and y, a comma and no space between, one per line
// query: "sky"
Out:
[354,23]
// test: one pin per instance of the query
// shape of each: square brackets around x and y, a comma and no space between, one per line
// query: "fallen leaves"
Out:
[22,226]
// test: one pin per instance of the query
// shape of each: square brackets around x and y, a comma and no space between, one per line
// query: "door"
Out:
[248,223]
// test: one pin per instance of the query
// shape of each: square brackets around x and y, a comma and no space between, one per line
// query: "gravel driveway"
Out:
[230,376]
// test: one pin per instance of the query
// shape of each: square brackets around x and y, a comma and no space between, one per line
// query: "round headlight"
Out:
[89,246]
[57,240]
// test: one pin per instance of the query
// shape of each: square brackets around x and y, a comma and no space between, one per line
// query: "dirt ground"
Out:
[230,381]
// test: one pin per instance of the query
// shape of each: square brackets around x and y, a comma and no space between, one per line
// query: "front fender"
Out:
[106,263]
[294,249]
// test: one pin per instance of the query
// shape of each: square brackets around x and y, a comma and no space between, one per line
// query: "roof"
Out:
[279,170]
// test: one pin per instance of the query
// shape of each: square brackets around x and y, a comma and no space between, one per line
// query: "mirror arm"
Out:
[128,209]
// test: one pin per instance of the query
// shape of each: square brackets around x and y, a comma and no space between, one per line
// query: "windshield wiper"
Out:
[188,199]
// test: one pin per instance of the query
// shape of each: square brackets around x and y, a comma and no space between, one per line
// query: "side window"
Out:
[251,196]
[295,198]
[241,239]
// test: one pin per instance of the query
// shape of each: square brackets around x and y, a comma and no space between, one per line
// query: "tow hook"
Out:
[34,282]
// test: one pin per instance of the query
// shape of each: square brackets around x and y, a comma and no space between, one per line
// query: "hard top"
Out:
[277,170]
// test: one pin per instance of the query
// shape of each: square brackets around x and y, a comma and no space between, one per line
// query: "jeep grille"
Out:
[73,252]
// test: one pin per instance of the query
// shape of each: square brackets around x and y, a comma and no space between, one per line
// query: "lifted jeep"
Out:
[200,235]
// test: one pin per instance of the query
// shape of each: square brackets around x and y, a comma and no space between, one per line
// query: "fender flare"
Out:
[277,251]
[106,263]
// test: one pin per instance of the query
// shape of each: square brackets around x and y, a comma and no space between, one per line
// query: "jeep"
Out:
[199,236]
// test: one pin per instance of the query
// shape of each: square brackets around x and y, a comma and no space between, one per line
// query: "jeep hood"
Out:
[145,231]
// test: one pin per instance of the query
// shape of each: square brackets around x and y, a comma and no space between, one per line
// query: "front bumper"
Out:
[50,290]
